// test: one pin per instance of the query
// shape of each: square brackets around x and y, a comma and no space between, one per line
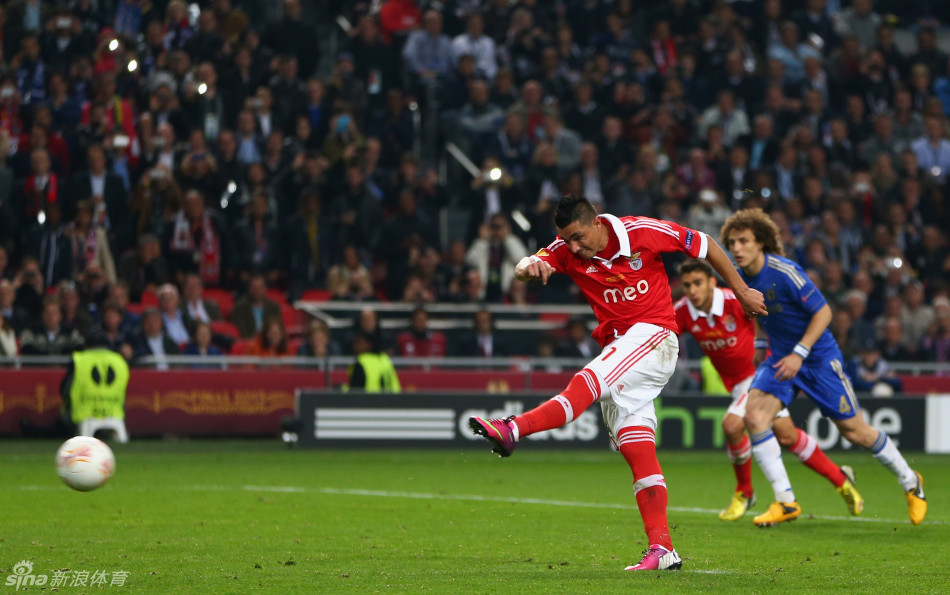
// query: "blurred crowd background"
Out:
[177,174]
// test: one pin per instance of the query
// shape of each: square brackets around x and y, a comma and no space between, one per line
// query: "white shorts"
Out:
[740,394]
[635,368]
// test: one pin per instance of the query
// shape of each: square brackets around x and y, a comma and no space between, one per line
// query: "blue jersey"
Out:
[791,300]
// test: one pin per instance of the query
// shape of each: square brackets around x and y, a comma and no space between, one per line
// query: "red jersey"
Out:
[726,334]
[631,286]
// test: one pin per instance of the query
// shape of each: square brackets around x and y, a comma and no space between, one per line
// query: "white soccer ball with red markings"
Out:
[85,463]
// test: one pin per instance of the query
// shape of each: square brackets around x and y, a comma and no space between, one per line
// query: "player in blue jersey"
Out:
[805,357]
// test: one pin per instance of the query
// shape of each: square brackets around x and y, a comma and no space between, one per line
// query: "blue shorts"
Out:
[824,381]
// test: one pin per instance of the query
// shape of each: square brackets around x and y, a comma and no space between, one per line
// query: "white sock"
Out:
[888,455]
[768,454]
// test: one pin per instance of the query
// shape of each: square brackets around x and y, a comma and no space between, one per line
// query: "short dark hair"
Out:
[696,265]
[571,208]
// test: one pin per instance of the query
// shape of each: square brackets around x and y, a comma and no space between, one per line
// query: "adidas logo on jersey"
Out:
[591,269]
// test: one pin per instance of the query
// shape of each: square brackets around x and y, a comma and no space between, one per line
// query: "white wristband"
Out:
[801,351]
[761,343]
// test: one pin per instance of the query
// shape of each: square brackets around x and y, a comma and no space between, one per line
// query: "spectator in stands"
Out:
[566,143]
[259,240]
[47,241]
[428,53]
[475,43]
[420,340]
[13,316]
[933,149]
[271,340]
[30,290]
[861,21]
[891,345]
[196,308]
[870,373]
[307,241]
[916,317]
[368,322]
[106,196]
[928,53]
[491,192]
[8,346]
[50,338]
[196,241]
[482,341]
[708,214]
[350,280]
[494,255]
[252,309]
[201,345]
[144,269]
[589,169]
[512,147]
[319,343]
[177,326]
[152,340]
[75,314]
[293,36]
[578,343]
[89,242]
[479,119]
[733,121]
[935,345]
[354,212]
[110,329]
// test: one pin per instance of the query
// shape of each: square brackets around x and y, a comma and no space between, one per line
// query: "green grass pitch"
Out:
[238,516]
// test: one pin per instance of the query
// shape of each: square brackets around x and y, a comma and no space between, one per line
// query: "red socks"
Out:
[638,447]
[583,389]
[808,452]
[741,457]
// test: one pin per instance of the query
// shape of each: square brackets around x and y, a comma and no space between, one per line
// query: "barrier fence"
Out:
[243,401]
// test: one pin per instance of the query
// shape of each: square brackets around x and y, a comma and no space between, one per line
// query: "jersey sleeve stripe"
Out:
[650,220]
[650,223]
[703,245]
[790,272]
[667,231]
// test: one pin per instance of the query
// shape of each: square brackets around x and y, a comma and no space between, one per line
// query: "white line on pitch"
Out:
[567,503]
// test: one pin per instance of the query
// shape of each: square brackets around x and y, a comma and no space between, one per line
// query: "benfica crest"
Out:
[730,323]
[635,262]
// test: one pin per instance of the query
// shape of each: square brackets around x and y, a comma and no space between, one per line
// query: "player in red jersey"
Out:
[616,262]
[715,319]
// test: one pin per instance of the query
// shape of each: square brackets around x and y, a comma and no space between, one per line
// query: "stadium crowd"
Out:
[176,174]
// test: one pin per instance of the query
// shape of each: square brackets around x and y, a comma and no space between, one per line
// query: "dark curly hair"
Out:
[764,230]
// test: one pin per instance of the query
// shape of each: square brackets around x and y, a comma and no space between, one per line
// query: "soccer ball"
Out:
[85,463]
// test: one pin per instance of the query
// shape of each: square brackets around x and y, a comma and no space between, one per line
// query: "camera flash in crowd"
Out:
[202,88]
[133,65]
[41,217]
[113,45]
[495,174]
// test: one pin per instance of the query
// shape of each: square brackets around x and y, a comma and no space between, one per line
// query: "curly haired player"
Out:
[805,357]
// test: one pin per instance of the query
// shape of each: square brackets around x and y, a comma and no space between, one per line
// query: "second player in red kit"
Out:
[714,317]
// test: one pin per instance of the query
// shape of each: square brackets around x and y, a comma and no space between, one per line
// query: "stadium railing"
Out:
[516,363]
